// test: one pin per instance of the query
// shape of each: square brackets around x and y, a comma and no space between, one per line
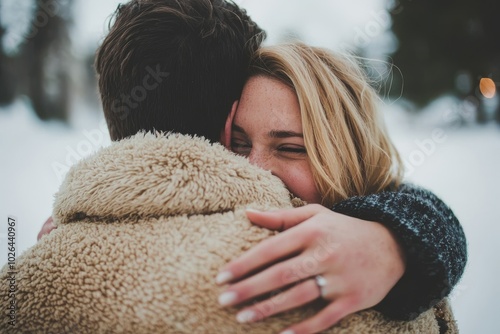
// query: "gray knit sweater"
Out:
[432,238]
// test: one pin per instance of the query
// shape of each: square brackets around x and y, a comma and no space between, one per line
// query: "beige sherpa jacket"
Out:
[144,227]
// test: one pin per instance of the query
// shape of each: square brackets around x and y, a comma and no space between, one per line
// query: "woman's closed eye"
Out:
[292,149]
[241,147]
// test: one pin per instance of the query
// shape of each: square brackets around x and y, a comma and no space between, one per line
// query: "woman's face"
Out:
[267,128]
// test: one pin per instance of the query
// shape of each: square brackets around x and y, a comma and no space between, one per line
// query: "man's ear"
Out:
[225,137]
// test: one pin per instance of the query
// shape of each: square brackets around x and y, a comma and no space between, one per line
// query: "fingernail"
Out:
[245,316]
[227,298]
[288,331]
[223,277]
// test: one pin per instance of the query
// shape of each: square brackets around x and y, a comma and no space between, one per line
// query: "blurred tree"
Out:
[446,47]
[46,57]
[7,79]
[41,64]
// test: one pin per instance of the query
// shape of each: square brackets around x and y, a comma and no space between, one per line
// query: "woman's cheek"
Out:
[299,180]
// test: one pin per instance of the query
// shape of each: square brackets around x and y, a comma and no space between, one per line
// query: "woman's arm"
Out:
[431,238]
[358,261]
[401,266]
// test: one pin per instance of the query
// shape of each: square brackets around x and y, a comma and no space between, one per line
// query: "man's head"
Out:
[173,65]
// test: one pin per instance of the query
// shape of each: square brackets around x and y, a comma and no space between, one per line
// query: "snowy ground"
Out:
[461,167]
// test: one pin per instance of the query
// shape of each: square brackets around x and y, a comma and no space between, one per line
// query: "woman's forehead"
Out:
[267,98]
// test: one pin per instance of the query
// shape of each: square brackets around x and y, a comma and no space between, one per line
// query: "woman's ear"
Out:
[225,137]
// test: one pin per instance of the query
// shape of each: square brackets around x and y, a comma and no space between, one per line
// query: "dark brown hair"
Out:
[172,65]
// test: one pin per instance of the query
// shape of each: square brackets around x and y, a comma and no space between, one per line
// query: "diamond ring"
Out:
[321,283]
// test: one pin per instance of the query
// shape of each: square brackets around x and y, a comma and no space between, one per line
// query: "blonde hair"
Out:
[345,137]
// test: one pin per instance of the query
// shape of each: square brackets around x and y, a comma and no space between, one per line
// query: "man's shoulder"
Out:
[165,174]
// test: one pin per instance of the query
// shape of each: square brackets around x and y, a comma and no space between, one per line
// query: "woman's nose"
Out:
[260,159]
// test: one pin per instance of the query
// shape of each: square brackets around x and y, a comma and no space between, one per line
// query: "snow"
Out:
[318,22]
[463,170]
[461,165]
[36,154]
[91,23]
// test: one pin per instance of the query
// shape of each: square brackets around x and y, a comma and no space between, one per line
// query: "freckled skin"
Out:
[267,105]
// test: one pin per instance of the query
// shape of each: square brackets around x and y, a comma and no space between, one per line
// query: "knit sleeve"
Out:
[430,235]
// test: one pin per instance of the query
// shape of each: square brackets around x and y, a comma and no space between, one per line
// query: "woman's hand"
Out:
[359,261]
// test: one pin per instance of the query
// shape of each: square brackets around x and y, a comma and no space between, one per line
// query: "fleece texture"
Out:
[144,226]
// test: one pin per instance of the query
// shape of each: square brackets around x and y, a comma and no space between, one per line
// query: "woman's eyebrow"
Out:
[284,134]
[239,129]
[272,133]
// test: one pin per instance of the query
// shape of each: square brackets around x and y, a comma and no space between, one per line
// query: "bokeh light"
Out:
[487,87]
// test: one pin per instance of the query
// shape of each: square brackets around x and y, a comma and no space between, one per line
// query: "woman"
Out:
[311,118]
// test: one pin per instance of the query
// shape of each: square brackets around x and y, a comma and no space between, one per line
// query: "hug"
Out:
[255,189]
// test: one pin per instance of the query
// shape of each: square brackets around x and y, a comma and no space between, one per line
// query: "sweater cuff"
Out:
[425,281]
